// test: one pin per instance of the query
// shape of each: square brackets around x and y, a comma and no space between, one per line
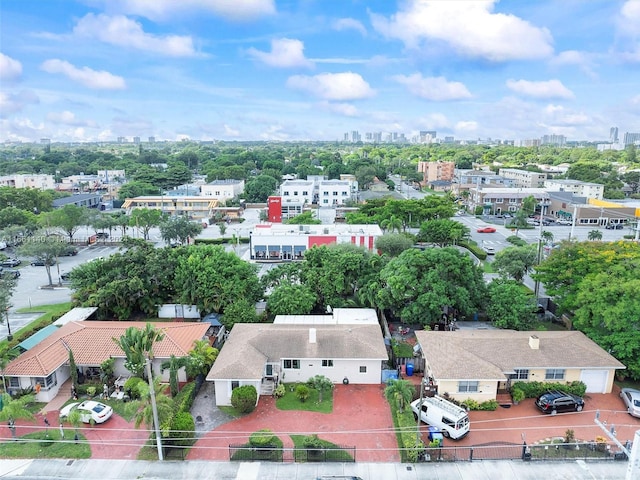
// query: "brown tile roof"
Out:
[489,354]
[92,343]
[251,345]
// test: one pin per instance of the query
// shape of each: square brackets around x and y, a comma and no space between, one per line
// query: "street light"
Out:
[9,336]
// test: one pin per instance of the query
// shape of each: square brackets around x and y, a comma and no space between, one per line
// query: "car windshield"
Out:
[98,408]
[636,403]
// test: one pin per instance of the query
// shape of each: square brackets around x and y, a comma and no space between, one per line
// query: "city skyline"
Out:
[96,70]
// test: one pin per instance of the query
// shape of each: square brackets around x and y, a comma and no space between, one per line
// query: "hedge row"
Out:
[410,446]
[535,389]
[184,400]
[221,241]
[517,241]
[475,249]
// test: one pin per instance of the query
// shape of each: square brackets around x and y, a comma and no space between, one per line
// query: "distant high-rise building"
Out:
[613,135]
[559,140]
[346,137]
[45,141]
[136,140]
[448,140]
[152,139]
[355,136]
[377,137]
[631,138]
[122,139]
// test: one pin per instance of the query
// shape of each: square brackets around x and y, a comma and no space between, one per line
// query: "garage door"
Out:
[595,380]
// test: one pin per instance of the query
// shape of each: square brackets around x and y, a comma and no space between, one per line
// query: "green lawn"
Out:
[290,402]
[36,445]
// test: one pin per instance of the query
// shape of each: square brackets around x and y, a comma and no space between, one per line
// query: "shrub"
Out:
[488,406]
[475,249]
[244,398]
[517,241]
[183,429]
[535,389]
[302,392]
[262,438]
[131,387]
[184,400]
[312,442]
[91,391]
[471,404]
[279,391]
[517,395]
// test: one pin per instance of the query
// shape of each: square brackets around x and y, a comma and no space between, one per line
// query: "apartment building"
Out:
[524,178]
[578,188]
[499,200]
[41,182]
[432,171]
[223,189]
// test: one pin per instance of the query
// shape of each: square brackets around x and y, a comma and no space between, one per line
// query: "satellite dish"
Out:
[329,309]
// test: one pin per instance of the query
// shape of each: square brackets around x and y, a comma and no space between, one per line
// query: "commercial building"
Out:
[581,189]
[524,178]
[275,242]
[41,182]
[499,200]
[194,207]
[223,189]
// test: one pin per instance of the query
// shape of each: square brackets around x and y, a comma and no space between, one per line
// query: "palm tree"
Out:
[400,391]
[137,346]
[594,235]
[14,409]
[201,358]
[547,237]
[174,364]
[392,224]
[164,406]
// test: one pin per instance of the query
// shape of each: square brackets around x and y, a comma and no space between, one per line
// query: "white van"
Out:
[449,418]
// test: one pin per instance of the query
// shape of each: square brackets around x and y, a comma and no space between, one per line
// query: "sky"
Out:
[296,70]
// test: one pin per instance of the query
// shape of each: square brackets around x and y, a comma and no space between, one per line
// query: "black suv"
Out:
[614,226]
[555,401]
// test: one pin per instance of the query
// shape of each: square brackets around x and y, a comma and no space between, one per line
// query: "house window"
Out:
[325,201]
[335,194]
[293,364]
[234,384]
[327,363]
[521,374]
[363,369]
[14,382]
[305,193]
[326,194]
[554,374]
[467,386]
[46,383]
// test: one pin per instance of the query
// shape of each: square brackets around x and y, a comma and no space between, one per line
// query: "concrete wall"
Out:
[341,369]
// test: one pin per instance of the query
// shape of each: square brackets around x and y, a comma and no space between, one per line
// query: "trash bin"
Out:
[409,369]
[435,437]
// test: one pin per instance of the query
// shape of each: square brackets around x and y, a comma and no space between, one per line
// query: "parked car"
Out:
[631,399]
[103,235]
[555,401]
[10,262]
[90,411]
[486,230]
[614,226]
[564,222]
[70,251]
[9,272]
[490,250]
[39,262]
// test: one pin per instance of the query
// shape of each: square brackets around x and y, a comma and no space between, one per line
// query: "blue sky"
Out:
[91,70]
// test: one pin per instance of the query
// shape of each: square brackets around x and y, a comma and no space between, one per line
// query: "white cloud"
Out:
[11,103]
[629,21]
[575,58]
[10,69]
[124,32]
[275,132]
[545,89]
[466,127]
[167,9]
[496,37]
[437,89]
[332,86]
[285,53]
[557,115]
[230,132]
[342,24]
[345,109]
[68,118]
[99,80]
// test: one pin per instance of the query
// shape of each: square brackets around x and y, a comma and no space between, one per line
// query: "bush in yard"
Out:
[184,399]
[517,395]
[517,241]
[489,405]
[262,438]
[535,389]
[131,387]
[244,398]
[302,393]
[279,391]
[183,429]
[470,403]
[312,442]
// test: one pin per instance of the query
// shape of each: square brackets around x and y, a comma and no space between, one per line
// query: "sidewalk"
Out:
[485,470]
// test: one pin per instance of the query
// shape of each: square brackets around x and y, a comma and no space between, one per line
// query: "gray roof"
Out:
[78,197]
[490,354]
[251,345]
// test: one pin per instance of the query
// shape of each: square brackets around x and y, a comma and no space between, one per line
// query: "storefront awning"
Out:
[260,248]
[286,248]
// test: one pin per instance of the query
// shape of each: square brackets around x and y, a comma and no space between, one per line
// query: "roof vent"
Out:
[312,335]
[534,342]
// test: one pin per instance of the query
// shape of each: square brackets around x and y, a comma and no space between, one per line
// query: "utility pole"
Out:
[154,408]
[539,258]
[633,467]
[420,408]
[573,221]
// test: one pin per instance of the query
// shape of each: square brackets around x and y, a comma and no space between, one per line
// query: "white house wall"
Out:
[223,390]
[341,369]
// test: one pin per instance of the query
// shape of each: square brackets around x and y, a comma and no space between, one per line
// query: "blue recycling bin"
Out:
[435,436]
[409,369]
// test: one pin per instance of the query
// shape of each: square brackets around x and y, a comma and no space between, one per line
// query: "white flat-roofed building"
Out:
[338,316]
[297,192]
[18,180]
[524,178]
[223,189]
[275,241]
[578,188]
[334,192]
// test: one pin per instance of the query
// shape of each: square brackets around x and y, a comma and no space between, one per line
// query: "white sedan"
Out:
[90,411]
[631,399]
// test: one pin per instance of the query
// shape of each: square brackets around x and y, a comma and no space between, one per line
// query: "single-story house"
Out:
[477,363]
[45,366]
[263,355]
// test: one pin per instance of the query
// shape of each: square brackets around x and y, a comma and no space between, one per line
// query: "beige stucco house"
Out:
[478,363]
[263,355]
